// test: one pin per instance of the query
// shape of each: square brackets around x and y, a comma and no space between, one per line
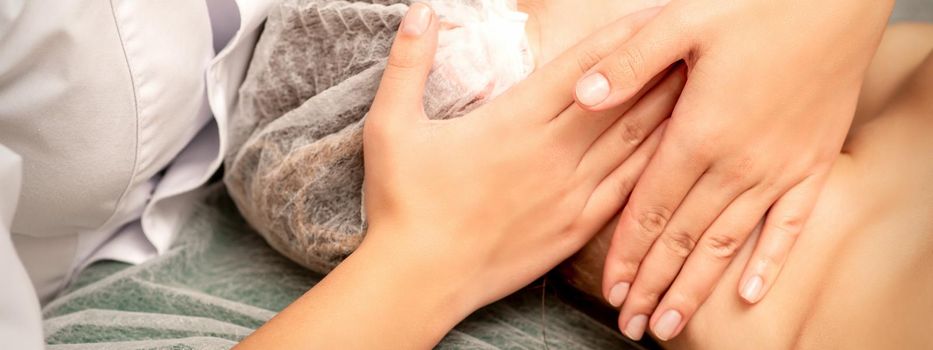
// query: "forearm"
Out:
[376,298]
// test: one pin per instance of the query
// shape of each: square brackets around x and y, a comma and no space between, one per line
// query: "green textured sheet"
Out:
[220,281]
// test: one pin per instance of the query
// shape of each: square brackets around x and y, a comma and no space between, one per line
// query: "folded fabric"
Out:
[295,163]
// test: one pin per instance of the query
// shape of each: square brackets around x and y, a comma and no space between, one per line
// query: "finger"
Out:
[401,91]
[669,176]
[705,202]
[703,269]
[783,225]
[614,145]
[580,127]
[549,90]
[621,74]
[612,192]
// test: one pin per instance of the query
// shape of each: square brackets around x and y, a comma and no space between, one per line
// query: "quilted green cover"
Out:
[220,281]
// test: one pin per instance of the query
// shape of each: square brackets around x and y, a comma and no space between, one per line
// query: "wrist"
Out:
[379,295]
[415,277]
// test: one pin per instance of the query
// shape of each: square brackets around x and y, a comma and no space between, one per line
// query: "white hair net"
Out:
[295,166]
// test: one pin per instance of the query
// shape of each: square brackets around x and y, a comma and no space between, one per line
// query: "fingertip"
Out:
[595,93]
[668,325]
[752,290]
[592,90]
[417,20]
[416,39]
[635,327]
[617,294]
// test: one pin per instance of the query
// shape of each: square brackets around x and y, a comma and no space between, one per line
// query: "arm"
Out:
[463,212]
[374,299]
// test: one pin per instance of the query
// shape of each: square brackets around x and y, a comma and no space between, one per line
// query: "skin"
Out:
[461,253]
[758,71]
[554,26]
[858,277]
[444,202]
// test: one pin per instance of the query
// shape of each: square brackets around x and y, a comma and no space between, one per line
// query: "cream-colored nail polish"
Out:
[667,324]
[635,328]
[417,19]
[751,291]
[592,89]
[618,293]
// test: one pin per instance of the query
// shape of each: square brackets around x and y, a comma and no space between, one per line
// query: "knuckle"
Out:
[588,58]
[789,225]
[769,184]
[379,138]
[647,297]
[401,62]
[738,173]
[704,150]
[734,177]
[745,164]
[628,268]
[681,243]
[652,220]
[700,151]
[576,235]
[682,299]
[628,66]
[824,158]
[722,247]
[592,53]
[631,133]
[697,145]
[372,129]
[766,261]
[394,76]
[624,186]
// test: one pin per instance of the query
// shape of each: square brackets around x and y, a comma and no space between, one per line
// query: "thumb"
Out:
[401,91]
[624,72]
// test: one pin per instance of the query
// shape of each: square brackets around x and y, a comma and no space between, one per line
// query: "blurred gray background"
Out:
[913,10]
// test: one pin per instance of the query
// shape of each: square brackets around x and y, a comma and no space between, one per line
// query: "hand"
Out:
[495,199]
[462,212]
[771,92]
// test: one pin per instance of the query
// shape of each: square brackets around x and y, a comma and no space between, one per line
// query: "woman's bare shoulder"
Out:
[883,185]
[893,152]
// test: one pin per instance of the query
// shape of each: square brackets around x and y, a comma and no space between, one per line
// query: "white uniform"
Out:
[20,322]
[108,106]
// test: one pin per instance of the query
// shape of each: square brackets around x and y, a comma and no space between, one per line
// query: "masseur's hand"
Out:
[463,212]
[771,92]
[486,203]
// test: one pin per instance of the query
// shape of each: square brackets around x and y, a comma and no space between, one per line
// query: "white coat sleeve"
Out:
[20,318]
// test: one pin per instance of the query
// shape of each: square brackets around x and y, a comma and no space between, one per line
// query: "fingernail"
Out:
[592,89]
[617,294]
[667,325]
[752,289]
[636,327]
[417,19]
